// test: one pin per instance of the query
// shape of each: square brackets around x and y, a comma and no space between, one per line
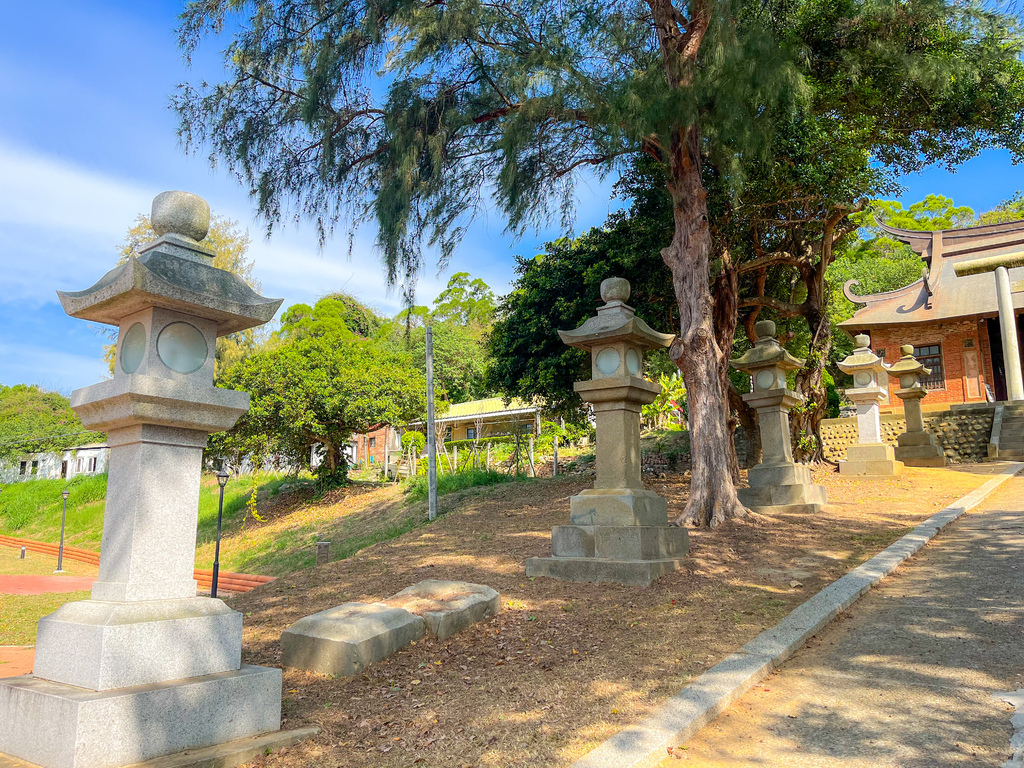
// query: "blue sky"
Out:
[87,140]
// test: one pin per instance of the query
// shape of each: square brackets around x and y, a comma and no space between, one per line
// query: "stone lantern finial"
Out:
[916,446]
[615,289]
[180,213]
[870,456]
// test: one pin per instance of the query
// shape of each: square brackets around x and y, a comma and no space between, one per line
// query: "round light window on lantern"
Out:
[182,348]
[133,348]
[608,361]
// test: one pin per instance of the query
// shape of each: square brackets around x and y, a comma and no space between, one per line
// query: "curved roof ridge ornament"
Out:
[849,294]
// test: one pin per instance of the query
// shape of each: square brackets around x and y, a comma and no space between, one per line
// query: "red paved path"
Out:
[38,585]
[16,661]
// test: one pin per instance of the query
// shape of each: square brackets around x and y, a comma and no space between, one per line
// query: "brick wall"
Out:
[371,444]
[959,341]
[962,433]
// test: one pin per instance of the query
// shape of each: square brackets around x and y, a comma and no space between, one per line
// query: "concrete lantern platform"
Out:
[60,726]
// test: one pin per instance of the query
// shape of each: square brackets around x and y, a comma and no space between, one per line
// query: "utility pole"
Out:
[431,447]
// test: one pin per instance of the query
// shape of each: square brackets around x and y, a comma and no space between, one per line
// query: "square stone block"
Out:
[627,542]
[61,726]
[104,646]
[782,496]
[622,506]
[634,573]
[347,639]
[447,607]
[912,439]
[880,468]
[870,452]
[771,475]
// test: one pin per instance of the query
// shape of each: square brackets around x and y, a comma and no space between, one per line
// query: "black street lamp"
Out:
[222,480]
[63,516]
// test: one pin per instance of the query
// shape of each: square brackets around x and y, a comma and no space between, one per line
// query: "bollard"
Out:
[323,552]
[23,553]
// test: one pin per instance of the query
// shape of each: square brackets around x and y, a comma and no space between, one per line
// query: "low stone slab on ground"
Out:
[447,607]
[347,639]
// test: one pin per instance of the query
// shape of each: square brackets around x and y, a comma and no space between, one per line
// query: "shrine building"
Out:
[952,321]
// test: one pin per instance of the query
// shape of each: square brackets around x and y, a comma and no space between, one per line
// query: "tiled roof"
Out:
[941,295]
[491,406]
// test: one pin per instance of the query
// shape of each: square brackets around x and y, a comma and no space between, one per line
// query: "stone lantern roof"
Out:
[766,352]
[862,359]
[615,321]
[908,364]
[175,272]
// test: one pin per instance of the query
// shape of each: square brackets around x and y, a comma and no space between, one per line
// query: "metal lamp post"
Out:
[63,517]
[222,480]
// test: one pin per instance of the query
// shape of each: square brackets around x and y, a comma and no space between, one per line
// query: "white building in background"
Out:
[88,459]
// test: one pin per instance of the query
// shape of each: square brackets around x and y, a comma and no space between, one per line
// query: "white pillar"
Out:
[1008,329]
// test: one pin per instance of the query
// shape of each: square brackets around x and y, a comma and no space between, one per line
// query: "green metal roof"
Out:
[489,406]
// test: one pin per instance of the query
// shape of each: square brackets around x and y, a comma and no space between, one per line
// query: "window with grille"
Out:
[373,442]
[470,433]
[931,357]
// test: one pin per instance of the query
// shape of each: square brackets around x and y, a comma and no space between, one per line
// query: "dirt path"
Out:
[910,677]
[564,666]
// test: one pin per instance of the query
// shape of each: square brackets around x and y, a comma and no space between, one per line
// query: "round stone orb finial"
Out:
[615,289]
[862,341]
[765,329]
[907,349]
[180,213]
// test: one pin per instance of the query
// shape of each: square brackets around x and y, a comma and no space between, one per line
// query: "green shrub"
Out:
[416,488]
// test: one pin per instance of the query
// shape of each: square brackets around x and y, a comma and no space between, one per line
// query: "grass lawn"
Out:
[19,614]
[564,666]
[38,564]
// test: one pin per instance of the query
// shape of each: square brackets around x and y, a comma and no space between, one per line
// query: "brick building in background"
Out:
[952,322]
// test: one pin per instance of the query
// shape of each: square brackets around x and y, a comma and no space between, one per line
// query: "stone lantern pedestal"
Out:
[915,447]
[870,456]
[618,530]
[777,484]
[145,667]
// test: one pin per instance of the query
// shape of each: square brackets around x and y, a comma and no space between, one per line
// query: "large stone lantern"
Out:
[915,447]
[777,484]
[870,456]
[618,530]
[145,667]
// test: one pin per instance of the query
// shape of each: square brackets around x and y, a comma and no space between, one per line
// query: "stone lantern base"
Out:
[63,726]
[919,449]
[618,536]
[776,488]
[871,459]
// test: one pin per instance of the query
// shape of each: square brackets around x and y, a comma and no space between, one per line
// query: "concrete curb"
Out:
[679,718]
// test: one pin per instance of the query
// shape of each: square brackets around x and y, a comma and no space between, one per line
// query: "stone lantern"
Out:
[145,667]
[870,456]
[777,484]
[618,530]
[915,447]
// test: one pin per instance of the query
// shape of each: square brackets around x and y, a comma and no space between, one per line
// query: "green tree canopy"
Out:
[401,112]
[33,420]
[338,315]
[319,392]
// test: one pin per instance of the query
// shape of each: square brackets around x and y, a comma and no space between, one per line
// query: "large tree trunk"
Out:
[726,309]
[805,422]
[703,363]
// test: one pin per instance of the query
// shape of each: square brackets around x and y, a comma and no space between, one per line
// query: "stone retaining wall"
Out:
[963,432]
